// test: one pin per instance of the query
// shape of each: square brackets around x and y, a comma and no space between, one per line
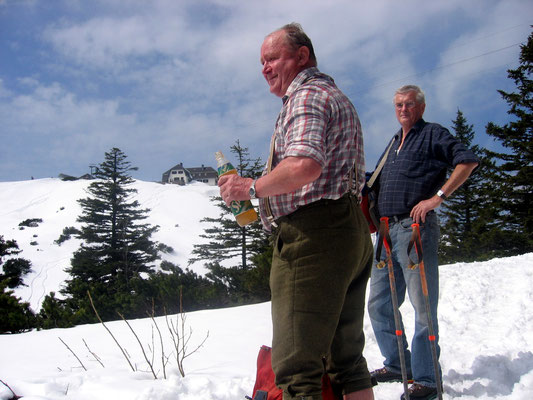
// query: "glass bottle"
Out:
[243,211]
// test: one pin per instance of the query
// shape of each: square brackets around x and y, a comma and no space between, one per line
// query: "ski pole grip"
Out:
[384,232]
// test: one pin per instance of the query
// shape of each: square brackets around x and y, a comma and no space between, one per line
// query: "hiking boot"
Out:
[421,392]
[384,375]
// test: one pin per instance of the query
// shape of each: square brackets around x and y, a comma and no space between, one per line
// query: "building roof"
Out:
[194,172]
[203,169]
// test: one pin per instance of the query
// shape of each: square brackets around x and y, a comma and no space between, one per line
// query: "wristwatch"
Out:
[441,194]
[251,191]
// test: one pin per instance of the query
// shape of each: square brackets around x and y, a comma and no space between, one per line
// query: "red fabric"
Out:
[364,207]
[265,378]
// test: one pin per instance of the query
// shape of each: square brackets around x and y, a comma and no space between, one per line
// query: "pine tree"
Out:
[228,241]
[174,289]
[14,268]
[515,167]
[55,313]
[15,316]
[117,247]
[459,211]
[468,215]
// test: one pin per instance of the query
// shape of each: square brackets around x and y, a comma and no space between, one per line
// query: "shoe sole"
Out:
[409,381]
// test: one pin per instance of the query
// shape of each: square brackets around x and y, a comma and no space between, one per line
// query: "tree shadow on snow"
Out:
[500,372]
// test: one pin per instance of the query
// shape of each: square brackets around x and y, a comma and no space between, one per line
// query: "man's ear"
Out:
[303,56]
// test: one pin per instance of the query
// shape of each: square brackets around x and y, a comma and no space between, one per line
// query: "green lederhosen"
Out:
[320,268]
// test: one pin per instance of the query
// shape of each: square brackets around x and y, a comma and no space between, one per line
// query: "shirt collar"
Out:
[299,80]
[417,127]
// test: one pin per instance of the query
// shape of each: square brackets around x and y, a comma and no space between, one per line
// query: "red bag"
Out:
[265,386]
[368,206]
[369,194]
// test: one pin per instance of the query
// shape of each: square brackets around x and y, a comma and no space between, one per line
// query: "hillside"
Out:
[176,209]
[485,315]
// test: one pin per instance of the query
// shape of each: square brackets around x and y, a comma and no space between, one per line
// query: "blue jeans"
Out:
[419,360]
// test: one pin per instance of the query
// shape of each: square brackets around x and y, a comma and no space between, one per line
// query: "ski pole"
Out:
[384,239]
[417,243]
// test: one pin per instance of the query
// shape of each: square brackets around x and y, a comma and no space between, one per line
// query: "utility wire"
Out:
[437,68]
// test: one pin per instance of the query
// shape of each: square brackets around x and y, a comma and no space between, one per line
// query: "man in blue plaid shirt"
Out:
[411,185]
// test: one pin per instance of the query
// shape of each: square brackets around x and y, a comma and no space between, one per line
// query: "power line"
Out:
[437,68]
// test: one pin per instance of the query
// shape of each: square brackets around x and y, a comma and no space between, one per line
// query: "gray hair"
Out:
[296,38]
[420,96]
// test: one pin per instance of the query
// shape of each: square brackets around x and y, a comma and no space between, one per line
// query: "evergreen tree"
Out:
[15,316]
[171,284]
[515,167]
[14,269]
[246,282]
[226,239]
[469,214]
[116,248]
[55,313]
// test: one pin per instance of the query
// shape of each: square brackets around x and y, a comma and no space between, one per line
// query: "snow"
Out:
[176,209]
[485,316]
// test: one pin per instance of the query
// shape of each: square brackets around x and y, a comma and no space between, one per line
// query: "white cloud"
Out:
[166,80]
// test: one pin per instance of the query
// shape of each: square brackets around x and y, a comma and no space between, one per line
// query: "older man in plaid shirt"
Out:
[322,247]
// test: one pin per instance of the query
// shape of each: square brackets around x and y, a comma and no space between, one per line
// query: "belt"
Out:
[399,217]
[321,202]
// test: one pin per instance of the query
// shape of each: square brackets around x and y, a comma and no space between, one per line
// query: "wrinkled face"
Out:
[408,111]
[280,63]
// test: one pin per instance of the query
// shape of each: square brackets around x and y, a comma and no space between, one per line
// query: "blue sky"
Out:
[170,81]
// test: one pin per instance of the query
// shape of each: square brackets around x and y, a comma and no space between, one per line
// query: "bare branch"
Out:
[93,354]
[77,358]
[15,397]
[163,362]
[116,341]
[181,351]
[140,344]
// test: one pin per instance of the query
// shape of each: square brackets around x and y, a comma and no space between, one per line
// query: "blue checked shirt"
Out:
[419,169]
[317,121]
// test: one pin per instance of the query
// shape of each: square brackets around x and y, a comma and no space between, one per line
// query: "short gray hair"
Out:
[420,96]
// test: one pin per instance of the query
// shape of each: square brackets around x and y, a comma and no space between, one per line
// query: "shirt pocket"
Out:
[414,165]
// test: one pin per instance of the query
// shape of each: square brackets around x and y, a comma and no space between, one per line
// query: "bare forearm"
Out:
[459,175]
[289,175]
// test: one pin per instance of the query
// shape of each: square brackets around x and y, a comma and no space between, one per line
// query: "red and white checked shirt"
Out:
[317,121]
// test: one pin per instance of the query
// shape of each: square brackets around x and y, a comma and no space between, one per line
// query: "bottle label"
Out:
[224,169]
[239,207]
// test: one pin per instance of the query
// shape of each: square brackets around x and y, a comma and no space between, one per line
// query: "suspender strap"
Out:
[268,210]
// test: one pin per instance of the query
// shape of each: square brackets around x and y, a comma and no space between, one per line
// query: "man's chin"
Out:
[275,91]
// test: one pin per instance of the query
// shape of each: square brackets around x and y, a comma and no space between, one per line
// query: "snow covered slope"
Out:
[176,209]
[486,327]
